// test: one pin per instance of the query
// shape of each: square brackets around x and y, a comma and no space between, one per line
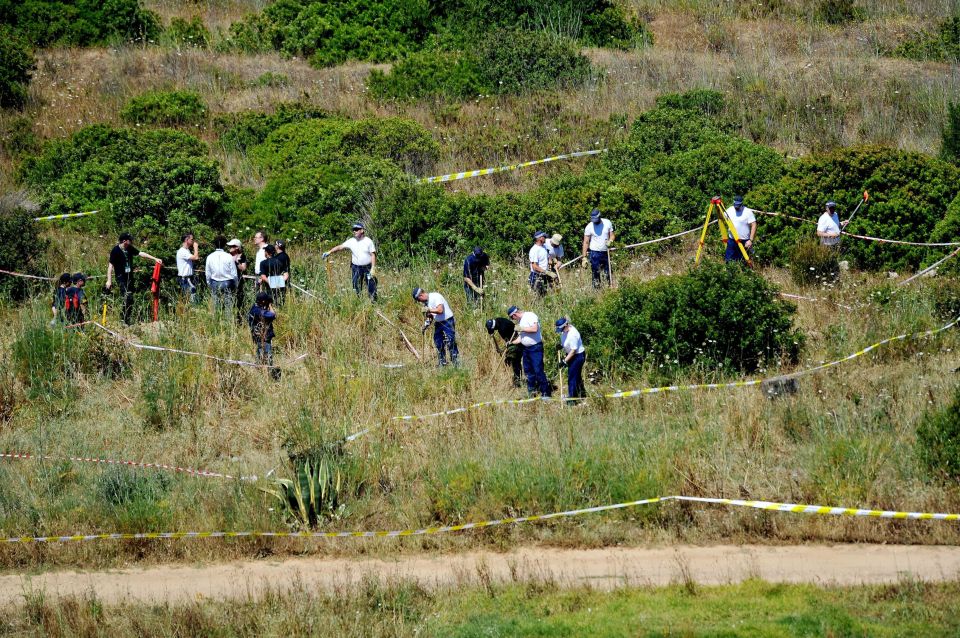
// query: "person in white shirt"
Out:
[187,255]
[597,237]
[575,356]
[555,250]
[745,223]
[529,337]
[540,264]
[444,326]
[260,241]
[221,272]
[363,260]
[829,226]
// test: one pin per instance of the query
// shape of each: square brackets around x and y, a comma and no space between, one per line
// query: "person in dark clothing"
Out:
[271,275]
[121,266]
[59,298]
[75,303]
[512,353]
[235,247]
[260,319]
[284,260]
[474,267]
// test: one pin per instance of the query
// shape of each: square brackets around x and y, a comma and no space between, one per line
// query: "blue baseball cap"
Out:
[358,226]
[477,250]
[539,234]
[561,323]
[738,200]
[512,310]
[831,204]
[595,215]
[416,293]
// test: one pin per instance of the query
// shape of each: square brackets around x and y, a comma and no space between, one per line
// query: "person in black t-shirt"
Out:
[474,266]
[513,353]
[283,266]
[235,247]
[121,265]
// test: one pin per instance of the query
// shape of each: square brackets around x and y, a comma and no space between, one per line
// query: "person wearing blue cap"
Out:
[444,326]
[529,337]
[363,261]
[474,267]
[829,226]
[597,237]
[574,358]
[744,221]
[540,272]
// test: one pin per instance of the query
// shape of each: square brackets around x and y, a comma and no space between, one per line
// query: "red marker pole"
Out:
[155,289]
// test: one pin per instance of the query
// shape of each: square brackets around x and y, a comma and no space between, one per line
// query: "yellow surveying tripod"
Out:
[726,226]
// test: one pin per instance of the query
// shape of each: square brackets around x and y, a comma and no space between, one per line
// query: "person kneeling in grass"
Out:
[260,319]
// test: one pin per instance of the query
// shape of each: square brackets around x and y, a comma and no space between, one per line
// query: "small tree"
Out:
[16,64]
[950,149]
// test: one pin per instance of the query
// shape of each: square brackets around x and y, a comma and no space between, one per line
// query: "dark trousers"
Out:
[126,289]
[538,283]
[223,294]
[513,357]
[472,297]
[359,274]
[279,295]
[265,356]
[533,367]
[188,287]
[600,267]
[445,338]
[575,387]
[733,251]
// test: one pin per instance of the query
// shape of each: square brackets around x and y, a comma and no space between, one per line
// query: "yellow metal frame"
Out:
[726,227]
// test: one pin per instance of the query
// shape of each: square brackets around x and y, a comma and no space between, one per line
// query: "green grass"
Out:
[754,608]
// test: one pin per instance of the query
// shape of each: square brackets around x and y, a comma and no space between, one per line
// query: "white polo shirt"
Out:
[538,256]
[184,262]
[829,224]
[528,320]
[599,234]
[435,299]
[361,251]
[741,222]
[571,341]
[261,255]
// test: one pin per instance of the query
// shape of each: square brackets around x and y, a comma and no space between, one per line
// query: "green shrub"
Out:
[432,73]
[715,316]
[171,393]
[514,62]
[909,193]
[187,33]
[16,66]
[240,131]
[703,101]
[812,263]
[79,22]
[950,146]
[18,139]
[839,11]
[945,292]
[121,486]
[938,440]
[940,46]
[272,80]
[48,360]
[165,108]
[314,494]
[25,255]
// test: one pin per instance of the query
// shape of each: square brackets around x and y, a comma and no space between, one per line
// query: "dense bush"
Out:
[165,108]
[187,33]
[513,61]
[17,137]
[240,131]
[24,253]
[909,196]
[79,22]
[715,316]
[839,11]
[812,263]
[430,73]
[16,65]
[950,146]
[938,440]
[943,45]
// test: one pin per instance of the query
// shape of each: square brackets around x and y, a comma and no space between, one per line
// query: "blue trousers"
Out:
[600,267]
[445,338]
[187,287]
[575,387]
[733,251]
[358,275]
[533,367]
[223,294]
[472,297]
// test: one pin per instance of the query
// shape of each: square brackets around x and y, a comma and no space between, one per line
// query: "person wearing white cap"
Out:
[540,264]
[528,336]
[829,226]
[555,249]
[444,326]
[745,223]
[363,261]
[574,357]
[597,237]
[235,248]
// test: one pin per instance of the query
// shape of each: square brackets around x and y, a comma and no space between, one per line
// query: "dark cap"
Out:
[125,237]
[490,325]
[280,243]
[738,200]
[512,310]
[539,234]
[416,293]
[264,298]
[477,250]
[561,324]
[79,277]
[358,226]
[831,204]
[595,215]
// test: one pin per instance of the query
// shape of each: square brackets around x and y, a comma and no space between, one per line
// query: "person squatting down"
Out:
[187,257]
[528,336]
[474,267]
[260,319]
[512,352]
[221,273]
[829,226]
[121,266]
[574,357]
[597,237]
[75,300]
[439,313]
[540,265]
[363,260]
[745,223]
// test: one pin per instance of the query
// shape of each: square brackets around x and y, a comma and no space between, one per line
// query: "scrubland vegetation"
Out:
[299,117]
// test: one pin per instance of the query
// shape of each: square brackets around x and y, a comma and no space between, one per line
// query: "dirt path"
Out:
[600,568]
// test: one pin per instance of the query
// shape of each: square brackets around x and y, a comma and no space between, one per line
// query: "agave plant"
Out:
[312,495]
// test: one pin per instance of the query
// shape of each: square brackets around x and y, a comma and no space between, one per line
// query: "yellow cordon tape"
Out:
[451,177]
[673,388]
[65,216]
[429,531]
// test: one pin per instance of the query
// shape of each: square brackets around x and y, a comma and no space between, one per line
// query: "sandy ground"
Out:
[599,568]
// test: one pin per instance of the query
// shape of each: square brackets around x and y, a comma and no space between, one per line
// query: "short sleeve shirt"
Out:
[741,222]
[599,234]
[435,299]
[554,252]
[122,260]
[283,261]
[572,342]
[829,224]
[504,327]
[538,256]
[527,320]
[361,251]
[184,262]
[473,266]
